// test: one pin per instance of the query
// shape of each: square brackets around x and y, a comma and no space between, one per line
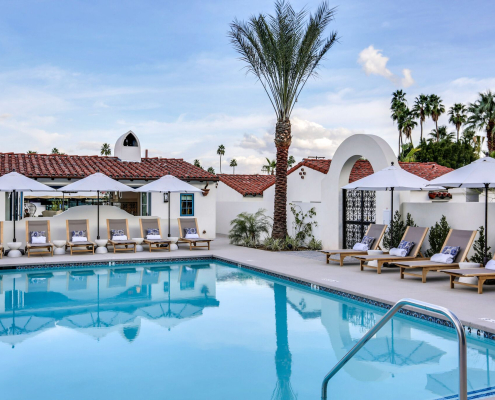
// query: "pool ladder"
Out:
[461,336]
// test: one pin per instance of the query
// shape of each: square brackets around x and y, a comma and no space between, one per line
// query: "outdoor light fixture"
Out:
[165,197]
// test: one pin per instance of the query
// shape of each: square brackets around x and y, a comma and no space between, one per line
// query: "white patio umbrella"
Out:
[97,182]
[480,174]
[168,184]
[14,182]
[392,178]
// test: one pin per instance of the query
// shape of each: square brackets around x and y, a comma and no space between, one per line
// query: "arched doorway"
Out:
[379,154]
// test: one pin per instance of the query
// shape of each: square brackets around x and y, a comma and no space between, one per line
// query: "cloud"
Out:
[375,63]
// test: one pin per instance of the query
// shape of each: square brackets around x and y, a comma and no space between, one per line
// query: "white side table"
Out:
[138,241]
[59,247]
[467,265]
[173,245]
[101,243]
[14,249]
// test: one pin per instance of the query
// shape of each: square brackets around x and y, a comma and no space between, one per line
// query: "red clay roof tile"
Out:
[248,185]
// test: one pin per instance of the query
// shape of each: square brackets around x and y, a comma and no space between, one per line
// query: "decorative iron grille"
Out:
[359,213]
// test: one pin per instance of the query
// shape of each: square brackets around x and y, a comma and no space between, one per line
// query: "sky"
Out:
[76,74]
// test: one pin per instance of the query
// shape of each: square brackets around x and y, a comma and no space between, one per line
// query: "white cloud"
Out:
[375,63]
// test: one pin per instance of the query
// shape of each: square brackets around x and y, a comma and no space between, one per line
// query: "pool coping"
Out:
[471,329]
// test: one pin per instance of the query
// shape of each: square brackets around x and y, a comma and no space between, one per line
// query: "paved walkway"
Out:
[473,309]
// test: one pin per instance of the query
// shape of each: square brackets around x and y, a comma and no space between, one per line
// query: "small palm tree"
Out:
[105,149]
[249,226]
[421,110]
[221,152]
[283,51]
[408,124]
[436,109]
[196,163]
[290,162]
[458,116]
[482,117]
[233,164]
[211,170]
[399,111]
[442,134]
[55,151]
[270,167]
[32,152]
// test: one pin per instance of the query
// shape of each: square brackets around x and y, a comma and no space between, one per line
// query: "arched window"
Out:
[130,141]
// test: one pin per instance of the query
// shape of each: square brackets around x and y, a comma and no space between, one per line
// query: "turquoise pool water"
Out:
[204,330]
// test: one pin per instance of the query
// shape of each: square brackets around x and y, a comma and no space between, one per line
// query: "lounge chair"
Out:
[374,230]
[38,227]
[412,234]
[191,223]
[1,239]
[81,227]
[482,274]
[121,225]
[153,223]
[457,238]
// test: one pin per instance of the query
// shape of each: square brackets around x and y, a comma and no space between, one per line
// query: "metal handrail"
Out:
[400,304]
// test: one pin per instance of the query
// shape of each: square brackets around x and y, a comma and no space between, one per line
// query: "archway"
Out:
[378,153]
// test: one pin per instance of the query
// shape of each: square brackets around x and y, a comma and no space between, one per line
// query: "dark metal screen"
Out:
[359,212]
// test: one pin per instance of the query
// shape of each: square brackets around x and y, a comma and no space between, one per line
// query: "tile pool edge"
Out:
[471,329]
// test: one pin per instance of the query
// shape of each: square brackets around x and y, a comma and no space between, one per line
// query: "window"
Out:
[187,205]
[146,204]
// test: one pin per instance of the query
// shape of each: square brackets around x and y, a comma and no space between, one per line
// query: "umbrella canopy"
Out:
[97,182]
[478,174]
[168,184]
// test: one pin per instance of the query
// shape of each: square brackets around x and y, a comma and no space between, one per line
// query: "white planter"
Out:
[467,265]
[14,251]
[138,244]
[59,247]
[101,249]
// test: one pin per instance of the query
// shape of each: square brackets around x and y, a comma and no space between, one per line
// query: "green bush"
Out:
[247,228]
[446,153]
[272,244]
[479,247]
[392,240]
[437,236]
[315,244]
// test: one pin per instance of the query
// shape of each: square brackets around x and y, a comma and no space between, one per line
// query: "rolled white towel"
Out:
[490,264]
[360,247]
[398,252]
[123,237]
[153,237]
[442,258]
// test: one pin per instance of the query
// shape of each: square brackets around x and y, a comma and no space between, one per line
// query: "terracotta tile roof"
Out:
[248,185]
[321,165]
[361,169]
[428,170]
[68,166]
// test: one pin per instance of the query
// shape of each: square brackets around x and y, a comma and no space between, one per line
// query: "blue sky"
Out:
[75,74]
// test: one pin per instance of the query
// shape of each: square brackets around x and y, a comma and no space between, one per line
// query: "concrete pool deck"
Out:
[475,310]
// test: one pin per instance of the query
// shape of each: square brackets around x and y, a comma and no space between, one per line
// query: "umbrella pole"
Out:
[485,258]
[14,198]
[169,200]
[98,214]
[391,214]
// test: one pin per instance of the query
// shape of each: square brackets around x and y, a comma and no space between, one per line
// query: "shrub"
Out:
[273,244]
[301,226]
[479,247]
[392,240]
[437,236]
[315,244]
[249,226]
[293,243]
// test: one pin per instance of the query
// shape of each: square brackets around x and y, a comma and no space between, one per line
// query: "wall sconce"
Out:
[165,198]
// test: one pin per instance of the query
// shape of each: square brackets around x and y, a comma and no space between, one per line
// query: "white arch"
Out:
[378,153]
[127,153]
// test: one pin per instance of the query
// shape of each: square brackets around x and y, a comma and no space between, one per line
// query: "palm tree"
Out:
[442,134]
[421,110]
[482,116]
[248,226]
[270,167]
[458,116]
[283,51]
[32,152]
[211,170]
[233,164]
[105,149]
[196,163]
[221,152]
[408,124]
[399,110]
[436,109]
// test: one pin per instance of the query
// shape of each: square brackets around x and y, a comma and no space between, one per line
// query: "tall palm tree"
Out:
[290,162]
[482,116]
[105,149]
[408,124]
[436,109]
[422,110]
[233,164]
[442,134]
[270,166]
[458,116]
[221,152]
[399,109]
[283,51]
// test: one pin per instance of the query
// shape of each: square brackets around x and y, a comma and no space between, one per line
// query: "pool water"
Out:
[204,330]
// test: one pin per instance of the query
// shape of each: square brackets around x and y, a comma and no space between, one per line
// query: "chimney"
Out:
[146,153]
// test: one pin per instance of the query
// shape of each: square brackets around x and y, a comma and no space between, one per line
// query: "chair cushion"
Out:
[190,231]
[117,232]
[154,232]
[79,234]
[407,246]
[451,250]
[368,241]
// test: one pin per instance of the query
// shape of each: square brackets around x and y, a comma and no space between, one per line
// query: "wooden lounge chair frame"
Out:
[88,246]
[160,244]
[48,245]
[193,243]
[126,243]
[482,274]
[385,258]
[343,253]
[427,266]
[1,239]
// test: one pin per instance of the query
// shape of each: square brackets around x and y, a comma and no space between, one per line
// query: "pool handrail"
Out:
[461,336]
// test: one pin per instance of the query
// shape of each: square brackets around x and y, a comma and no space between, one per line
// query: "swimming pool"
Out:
[206,330]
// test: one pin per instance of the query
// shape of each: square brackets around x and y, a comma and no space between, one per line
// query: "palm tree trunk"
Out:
[398,154]
[421,124]
[490,127]
[436,125]
[220,163]
[283,139]
[458,128]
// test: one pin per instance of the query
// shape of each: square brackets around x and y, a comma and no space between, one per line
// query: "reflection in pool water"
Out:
[200,330]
